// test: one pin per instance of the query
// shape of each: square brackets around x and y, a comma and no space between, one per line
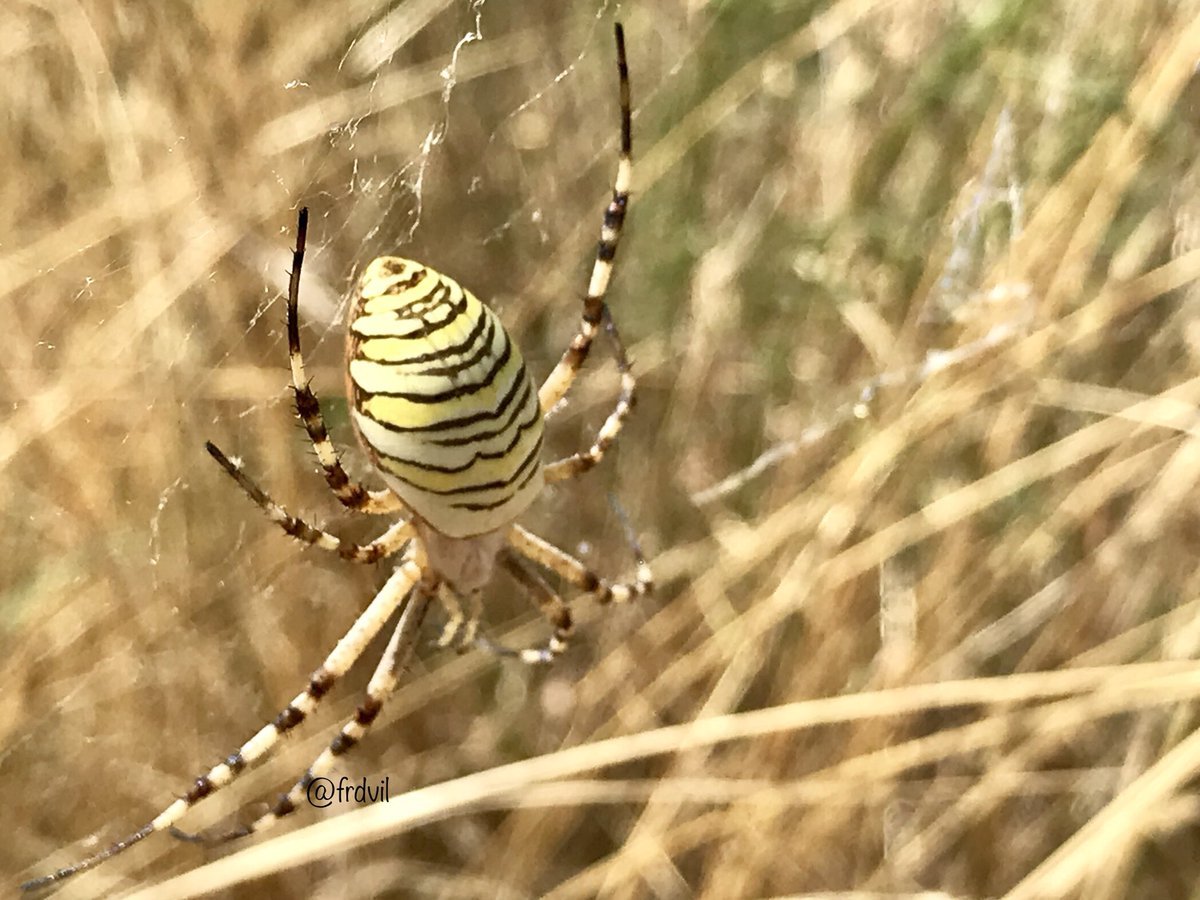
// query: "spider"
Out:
[446,411]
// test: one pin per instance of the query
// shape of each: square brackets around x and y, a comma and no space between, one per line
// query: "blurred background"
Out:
[910,288]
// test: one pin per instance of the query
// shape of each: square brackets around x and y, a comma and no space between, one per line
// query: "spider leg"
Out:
[387,544]
[578,463]
[339,660]
[559,381]
[471,626]
[454,610]
[379,689]
[574,572]
[551,605]
[462,624]
[350,493]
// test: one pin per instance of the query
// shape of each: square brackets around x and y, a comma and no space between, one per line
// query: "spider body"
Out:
[445,408]
[442,401]
[466,564]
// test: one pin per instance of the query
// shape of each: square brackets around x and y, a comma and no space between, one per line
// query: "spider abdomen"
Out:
[442,400]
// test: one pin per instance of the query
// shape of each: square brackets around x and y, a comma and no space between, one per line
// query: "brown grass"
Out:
[912,299]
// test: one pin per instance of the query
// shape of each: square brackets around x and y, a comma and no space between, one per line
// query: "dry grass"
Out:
[911,284]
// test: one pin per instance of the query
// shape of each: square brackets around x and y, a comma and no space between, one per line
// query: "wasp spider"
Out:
[447,412]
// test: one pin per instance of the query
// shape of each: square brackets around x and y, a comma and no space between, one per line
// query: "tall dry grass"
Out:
[910,288]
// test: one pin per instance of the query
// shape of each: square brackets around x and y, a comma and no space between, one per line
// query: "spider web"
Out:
[148,312]
[397,182]
[444,141]
[378,139]
[920,276]
[149,318]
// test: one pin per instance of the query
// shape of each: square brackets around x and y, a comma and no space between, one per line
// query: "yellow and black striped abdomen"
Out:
[442,400]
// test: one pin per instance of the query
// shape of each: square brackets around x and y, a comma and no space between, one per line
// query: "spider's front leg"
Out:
[381,686]
[336,664]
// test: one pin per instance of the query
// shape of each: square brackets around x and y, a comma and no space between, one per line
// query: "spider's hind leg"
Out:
[577,463]
[559,381]
[349,493]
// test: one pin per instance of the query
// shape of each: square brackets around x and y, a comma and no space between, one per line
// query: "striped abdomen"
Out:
[441,399]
